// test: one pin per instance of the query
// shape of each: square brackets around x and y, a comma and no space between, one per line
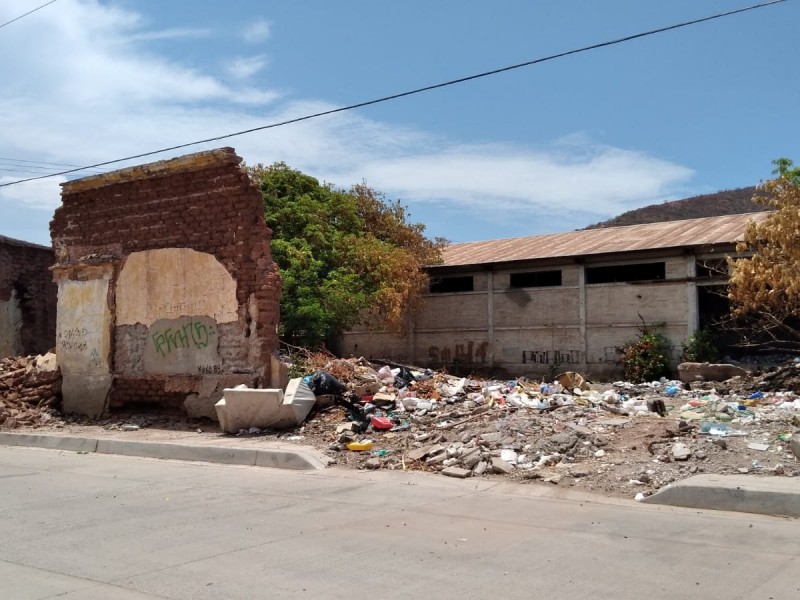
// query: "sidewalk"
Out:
[176,445]
[778,496]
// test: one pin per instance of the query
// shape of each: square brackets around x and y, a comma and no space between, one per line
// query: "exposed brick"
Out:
[25,273]
[208,205]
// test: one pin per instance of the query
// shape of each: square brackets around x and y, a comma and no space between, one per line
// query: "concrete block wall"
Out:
[192,299]
[27,298]
[536,330]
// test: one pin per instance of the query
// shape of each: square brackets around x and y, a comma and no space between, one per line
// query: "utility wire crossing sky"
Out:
[401,94]
[691,110]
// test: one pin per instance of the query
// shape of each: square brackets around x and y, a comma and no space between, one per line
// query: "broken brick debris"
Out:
[30,390]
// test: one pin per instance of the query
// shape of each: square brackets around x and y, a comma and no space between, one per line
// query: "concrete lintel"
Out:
[189,162]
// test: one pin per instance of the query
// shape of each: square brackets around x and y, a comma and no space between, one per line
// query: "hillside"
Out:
[726,202]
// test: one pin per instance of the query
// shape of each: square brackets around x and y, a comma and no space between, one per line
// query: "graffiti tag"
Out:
[461,353]
[546,357]
[193,335]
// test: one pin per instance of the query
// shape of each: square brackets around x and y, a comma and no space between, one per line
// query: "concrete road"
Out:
[100,527]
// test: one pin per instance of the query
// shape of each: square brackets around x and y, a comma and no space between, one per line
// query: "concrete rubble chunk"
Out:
[794,444]
[578,472]
[470,457]
[436,458]
[456,472]
[689,372]
[243,407]
[501,466]
[480,468]
[420,453]
[758,446]
[681,452]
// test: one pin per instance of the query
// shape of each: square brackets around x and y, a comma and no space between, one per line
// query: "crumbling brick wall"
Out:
[27,298]
[192,292]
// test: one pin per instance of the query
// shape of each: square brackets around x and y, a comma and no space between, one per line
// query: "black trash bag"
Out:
[324,384]
[403,378]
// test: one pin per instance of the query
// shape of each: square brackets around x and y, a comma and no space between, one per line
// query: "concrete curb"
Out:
[737,493]
[276,459]
[51,442]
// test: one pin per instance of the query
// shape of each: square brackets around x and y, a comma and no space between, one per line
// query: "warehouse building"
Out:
[535,305]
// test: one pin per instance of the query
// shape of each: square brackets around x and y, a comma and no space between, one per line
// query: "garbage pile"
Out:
[604,436]
[30,390]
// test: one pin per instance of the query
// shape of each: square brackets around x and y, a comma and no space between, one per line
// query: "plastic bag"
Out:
[323,383]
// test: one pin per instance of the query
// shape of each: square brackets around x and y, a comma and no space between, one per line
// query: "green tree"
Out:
[764,286]
[345,257]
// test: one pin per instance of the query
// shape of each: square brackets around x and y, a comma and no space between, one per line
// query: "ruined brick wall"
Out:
[27,298]
[192,292]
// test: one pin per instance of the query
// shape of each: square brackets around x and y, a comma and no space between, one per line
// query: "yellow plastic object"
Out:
[360,446]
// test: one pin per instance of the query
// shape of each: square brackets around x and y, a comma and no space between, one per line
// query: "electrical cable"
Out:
[410,92]
[26,14]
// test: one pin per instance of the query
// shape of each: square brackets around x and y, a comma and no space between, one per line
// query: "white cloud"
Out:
[82,94]
[589,178]
[175,33]
[243,67]
[42,194]
[257,32]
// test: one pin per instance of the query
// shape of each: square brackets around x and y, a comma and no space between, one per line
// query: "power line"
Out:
[37,162]
[33,165]
[27,13]
[410,92]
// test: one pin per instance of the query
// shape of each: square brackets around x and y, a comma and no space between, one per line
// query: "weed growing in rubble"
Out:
[647,357]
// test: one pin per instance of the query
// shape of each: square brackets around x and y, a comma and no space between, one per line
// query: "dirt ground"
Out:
[603,438]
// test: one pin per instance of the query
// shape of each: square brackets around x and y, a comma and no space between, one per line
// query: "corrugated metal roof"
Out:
[707,231]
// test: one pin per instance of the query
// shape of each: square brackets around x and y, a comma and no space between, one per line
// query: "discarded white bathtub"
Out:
[242,407]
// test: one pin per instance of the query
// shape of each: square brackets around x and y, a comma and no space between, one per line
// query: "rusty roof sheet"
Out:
[706,231]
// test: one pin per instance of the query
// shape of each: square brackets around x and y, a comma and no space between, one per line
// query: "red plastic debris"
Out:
[382,423]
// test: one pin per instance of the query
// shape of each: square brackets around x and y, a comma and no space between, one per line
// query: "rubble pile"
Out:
[30,390]
[620,437]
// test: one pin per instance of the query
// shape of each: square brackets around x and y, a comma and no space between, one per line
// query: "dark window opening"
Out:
[447,285]
[713,308]
[712,305]
[711,268]
[536,279]
[618,273]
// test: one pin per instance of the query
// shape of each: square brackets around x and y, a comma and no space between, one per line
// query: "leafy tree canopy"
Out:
[765,287]
[345,257]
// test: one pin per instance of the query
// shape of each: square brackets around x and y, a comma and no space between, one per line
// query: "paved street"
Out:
[100,527]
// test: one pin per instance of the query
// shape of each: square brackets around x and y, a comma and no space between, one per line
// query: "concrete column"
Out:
[582,312]
[84,328]
[692,316]
[490,317]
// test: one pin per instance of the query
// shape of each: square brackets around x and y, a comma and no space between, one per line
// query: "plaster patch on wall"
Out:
[171,283]
[183,346]
[83,344]
[83,328]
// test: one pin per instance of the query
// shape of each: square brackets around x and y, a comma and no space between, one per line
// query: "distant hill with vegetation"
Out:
[727,202]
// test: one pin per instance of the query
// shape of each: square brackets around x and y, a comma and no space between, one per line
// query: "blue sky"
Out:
[547,148]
